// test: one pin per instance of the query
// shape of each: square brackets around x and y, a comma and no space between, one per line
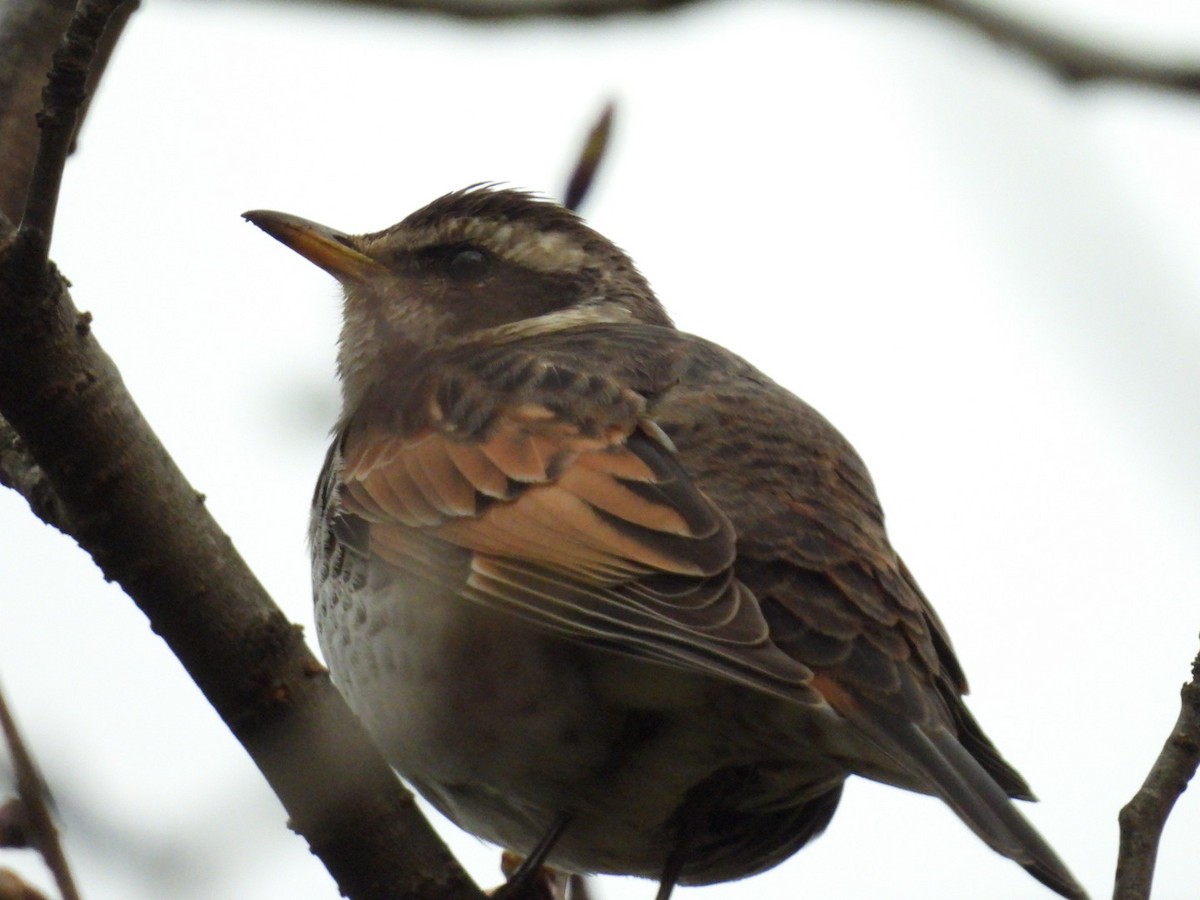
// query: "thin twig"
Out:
[591,154]
[40,824]
[63,97]
[1144,817]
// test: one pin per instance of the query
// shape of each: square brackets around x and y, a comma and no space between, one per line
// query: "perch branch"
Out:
[1144,817]
[128,505]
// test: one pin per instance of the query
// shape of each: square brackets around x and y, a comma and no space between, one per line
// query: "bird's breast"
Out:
[503,726]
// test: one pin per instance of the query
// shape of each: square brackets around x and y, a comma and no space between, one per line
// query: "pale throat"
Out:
[375,328]
[361,365]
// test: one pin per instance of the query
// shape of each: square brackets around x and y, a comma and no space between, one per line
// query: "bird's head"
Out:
[477,261]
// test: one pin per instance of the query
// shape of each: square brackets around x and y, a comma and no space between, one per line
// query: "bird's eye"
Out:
[468,264]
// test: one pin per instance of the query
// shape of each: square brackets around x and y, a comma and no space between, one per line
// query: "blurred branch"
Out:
[32,30]
[13,887]
[1070,59]
[579,889]
[509,10]
[39,829]
[83,441]
[62,109]
[591,154]
[1144,817]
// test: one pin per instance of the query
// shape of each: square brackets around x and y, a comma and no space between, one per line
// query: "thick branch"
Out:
[129,506]
[1144,817]
[31,30]
[132,510]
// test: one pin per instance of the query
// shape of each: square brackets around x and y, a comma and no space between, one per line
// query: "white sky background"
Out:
[988,281]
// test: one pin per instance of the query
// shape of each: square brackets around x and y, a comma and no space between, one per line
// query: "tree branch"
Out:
[128,505]
[509,10]
[1144,817]
[13,887]
[591,154]
[1069,59]
[62,103]
[40,830]
[32,30]
[21,473]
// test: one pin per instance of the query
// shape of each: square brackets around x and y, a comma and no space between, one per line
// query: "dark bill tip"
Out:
[326,247]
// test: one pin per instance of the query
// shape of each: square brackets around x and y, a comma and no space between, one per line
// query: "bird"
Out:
[602,592]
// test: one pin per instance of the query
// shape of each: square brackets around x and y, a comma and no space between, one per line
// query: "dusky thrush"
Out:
[601,591]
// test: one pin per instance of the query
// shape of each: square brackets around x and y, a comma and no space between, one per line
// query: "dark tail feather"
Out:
[980,746]
[956,777]
[948,771]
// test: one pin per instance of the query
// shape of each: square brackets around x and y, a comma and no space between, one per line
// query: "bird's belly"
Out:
[456,694]
[504,727]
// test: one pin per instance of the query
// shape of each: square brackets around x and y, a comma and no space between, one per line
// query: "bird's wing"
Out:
[576,516]
[838,599]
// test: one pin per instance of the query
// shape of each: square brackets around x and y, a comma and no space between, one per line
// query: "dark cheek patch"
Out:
[510,294]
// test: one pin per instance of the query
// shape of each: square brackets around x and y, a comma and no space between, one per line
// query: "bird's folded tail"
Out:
[933,756]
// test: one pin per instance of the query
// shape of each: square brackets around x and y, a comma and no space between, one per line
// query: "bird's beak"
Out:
[326,247]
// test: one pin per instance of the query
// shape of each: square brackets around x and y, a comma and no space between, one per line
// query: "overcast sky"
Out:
[987,281]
